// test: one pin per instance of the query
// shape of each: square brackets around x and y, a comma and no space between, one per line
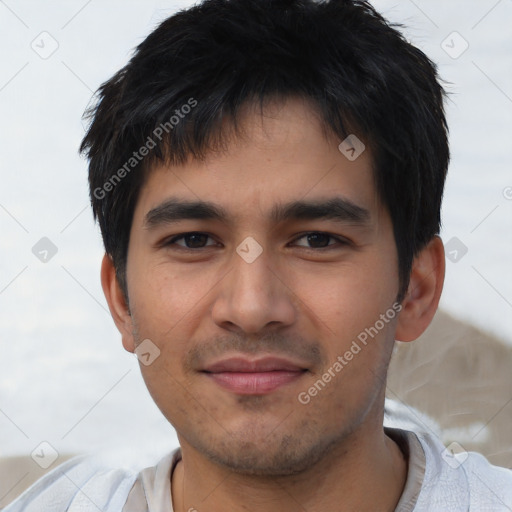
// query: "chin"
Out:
[272,456]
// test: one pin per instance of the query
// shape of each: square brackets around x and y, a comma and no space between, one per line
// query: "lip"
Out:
[243,365]
[254,377]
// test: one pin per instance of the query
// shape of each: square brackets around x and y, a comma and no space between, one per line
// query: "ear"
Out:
[117,303]
[424,291]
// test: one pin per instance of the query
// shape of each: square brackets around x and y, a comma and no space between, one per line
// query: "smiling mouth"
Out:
[258,377]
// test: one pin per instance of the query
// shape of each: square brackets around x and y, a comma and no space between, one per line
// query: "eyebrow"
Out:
[336,208]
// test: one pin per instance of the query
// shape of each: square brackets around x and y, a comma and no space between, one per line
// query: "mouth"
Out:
[254,377]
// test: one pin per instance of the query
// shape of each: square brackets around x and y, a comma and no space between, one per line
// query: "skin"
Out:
[270,452]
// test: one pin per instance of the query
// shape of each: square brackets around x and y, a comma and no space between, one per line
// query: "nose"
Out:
[254,297]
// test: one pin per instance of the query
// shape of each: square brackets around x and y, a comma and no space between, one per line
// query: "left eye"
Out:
[319,240]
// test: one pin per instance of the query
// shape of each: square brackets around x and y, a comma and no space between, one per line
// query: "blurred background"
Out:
[65,379]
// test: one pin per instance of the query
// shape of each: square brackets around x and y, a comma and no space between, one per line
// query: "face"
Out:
[275,318]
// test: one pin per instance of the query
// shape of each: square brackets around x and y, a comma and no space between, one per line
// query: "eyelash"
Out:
[341,241]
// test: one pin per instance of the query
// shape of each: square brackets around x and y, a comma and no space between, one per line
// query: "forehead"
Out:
[277,156]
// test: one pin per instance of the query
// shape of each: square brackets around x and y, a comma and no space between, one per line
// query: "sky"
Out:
[64,377]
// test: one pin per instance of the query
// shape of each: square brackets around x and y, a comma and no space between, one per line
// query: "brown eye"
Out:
[320,240]
[191,240]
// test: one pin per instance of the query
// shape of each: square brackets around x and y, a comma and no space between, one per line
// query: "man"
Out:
[268,176]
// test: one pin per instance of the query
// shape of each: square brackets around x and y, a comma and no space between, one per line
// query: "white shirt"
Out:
[437,481]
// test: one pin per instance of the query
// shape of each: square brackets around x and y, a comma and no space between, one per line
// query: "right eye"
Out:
[193,241]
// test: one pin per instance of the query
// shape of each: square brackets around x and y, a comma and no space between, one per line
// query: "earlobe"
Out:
[117,303]
[424,291]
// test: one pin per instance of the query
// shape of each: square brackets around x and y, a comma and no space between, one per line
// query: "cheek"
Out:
[346,308]
[163,298]
[344,300]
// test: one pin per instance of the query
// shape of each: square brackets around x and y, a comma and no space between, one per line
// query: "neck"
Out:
[367,471]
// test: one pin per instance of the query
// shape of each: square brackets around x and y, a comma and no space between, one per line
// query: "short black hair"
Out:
[200,66]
